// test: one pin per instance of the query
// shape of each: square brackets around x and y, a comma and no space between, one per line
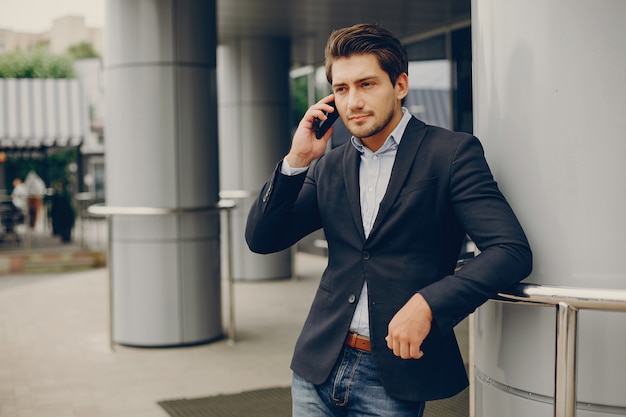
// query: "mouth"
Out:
[358,117]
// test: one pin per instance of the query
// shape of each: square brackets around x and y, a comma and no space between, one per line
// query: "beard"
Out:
[364,132]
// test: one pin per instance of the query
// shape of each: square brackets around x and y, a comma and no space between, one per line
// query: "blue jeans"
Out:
[352,390]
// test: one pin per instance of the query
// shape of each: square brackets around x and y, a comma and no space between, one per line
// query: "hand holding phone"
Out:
[322,126]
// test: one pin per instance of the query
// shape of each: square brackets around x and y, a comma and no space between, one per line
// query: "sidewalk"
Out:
[55,359]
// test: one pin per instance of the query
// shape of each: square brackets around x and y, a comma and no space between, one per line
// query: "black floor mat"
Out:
[276,402]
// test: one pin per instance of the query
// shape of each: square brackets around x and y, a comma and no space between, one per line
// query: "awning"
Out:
[39,113]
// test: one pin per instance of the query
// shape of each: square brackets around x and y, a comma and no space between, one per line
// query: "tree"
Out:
[37,62]
[83,50]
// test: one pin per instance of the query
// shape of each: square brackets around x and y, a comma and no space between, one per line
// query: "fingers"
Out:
[317,112]
[409,327]
[305,146]
[404,348]
[328,99]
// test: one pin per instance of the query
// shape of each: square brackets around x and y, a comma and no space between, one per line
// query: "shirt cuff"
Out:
[285,169]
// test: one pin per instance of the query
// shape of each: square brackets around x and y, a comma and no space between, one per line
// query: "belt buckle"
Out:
[356,341]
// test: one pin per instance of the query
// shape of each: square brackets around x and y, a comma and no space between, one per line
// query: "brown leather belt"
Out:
[358,342]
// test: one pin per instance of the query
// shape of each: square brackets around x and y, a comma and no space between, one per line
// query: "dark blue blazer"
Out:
[440,189]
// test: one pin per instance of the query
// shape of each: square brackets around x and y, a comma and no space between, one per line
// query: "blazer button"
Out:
[352,298]
[366,255]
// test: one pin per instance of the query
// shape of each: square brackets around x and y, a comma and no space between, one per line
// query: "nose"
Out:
[355,101]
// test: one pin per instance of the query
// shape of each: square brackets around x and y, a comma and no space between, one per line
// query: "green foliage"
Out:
[37,62]
[82,50]
[58,163]
[300,102]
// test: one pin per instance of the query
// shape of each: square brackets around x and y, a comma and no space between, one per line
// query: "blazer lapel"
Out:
[351,161]
[405,157]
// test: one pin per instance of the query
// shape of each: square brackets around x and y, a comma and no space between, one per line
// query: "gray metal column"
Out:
[548,105]
[161,150]
[255,116]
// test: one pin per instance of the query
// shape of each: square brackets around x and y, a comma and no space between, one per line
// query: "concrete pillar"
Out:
[161,150]
[548,105]
[254,135]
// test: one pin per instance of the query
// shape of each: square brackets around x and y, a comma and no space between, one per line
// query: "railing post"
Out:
[231,280]
[565,361]
[109,260]
[568,302]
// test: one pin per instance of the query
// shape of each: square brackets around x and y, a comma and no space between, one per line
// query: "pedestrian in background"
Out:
[36,190]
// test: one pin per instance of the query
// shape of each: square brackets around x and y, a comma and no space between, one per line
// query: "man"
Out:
[395,205]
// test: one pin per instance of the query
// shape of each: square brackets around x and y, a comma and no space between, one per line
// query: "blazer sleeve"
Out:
[284,212]
[505,256]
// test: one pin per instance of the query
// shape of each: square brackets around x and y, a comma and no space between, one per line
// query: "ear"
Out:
[402,86]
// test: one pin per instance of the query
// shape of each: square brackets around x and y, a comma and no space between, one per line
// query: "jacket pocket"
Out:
[417,186]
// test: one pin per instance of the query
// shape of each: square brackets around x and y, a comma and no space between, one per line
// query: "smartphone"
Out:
[322,126]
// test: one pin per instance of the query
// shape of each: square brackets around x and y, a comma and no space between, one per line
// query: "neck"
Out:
[374,144]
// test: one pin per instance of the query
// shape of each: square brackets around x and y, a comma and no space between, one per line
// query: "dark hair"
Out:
[367,39]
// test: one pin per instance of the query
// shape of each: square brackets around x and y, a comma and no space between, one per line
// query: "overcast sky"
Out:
[36,16]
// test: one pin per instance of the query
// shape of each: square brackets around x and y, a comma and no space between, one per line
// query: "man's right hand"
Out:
[305,147]
[409,327]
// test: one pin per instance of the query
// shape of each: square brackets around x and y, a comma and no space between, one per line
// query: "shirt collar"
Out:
[394,138]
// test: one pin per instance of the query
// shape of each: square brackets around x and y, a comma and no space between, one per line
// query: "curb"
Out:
[50,261]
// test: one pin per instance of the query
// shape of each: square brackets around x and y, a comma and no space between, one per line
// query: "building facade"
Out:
[65,32]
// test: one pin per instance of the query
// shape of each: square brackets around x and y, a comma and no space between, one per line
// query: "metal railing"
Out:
[222,206]
[568,301]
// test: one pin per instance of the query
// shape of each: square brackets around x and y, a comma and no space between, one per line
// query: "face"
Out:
[369,105]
